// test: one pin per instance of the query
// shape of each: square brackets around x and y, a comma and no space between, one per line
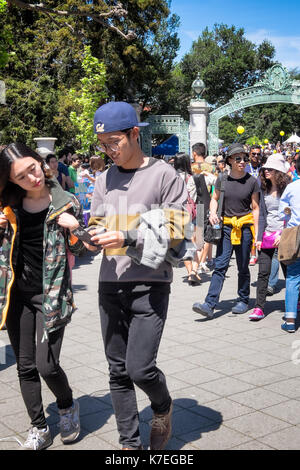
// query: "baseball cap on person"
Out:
[116,116]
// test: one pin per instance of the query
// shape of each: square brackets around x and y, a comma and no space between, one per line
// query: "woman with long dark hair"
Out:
[182,164]
[274,180]
[36,301]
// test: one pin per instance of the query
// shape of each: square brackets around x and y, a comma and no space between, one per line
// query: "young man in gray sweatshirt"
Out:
[134,290]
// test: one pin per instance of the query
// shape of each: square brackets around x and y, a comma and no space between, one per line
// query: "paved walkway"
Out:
[234,383]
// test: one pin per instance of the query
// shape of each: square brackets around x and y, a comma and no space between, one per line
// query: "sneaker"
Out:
[289,327]
[38,439]
[204,309]
[257,314]
[204,268]
[253,261]
[240,308]
[210,264]
[161,430]
[270,290]
[133,448]
[69,423]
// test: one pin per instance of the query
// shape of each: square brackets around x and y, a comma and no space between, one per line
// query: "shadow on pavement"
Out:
[94,414]
[189,421]
[222,308]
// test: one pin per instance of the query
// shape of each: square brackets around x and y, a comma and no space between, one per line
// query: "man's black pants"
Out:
[132,324]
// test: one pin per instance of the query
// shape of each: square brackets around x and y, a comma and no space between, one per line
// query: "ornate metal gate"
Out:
[277,86]
[171,124]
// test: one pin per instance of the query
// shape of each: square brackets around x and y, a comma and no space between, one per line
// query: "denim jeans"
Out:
[292,289]
[223,255]
[273,279]
[132,324]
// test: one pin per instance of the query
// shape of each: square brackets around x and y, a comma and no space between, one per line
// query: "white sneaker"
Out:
[204,268]
[38,439]
[69,423]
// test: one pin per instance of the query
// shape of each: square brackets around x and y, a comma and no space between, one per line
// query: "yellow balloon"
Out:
[282,133]
[297,150]
[274,151]
[240,130]
[266,141]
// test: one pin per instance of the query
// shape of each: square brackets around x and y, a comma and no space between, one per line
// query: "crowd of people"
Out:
[248,194]
[256,183]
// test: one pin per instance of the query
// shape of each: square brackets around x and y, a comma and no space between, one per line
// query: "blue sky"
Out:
[277,21]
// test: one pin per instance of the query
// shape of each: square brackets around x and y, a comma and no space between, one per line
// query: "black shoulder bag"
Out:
[213,234]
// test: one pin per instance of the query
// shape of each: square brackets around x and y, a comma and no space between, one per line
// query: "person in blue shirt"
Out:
[254,164]
[290,203]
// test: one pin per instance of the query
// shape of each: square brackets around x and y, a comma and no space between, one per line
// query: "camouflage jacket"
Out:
[58,304]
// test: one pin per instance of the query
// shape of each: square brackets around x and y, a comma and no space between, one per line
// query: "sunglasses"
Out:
[239,159]
[256,154]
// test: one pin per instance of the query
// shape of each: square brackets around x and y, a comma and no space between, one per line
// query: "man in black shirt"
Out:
[240,219]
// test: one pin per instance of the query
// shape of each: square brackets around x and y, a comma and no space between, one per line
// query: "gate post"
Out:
[198,122]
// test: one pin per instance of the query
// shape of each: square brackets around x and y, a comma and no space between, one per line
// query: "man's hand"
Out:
[112,240]
[214,219]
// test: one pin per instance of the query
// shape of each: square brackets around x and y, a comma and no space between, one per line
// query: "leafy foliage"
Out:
[88,98]
[227,62]
[5,35]
[45,57]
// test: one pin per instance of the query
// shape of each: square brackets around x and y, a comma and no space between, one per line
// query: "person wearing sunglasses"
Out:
[240,224]
[274,180]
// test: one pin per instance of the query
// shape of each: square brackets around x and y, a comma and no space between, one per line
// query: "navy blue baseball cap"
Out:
[116,116]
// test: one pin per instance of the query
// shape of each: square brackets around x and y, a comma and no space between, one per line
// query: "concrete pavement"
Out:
[235,383]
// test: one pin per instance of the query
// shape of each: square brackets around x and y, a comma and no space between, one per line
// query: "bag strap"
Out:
[198,183]
[221,200]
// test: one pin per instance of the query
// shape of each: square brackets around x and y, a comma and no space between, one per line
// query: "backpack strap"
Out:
[221,200]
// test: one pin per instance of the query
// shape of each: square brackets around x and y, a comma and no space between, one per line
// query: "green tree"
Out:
[5,35]
[227,62]
[45,57]
[88,98]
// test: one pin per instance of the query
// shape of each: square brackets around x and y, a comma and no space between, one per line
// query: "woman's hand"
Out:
[277,241]
[258,245]
[68,221]
[3,220]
